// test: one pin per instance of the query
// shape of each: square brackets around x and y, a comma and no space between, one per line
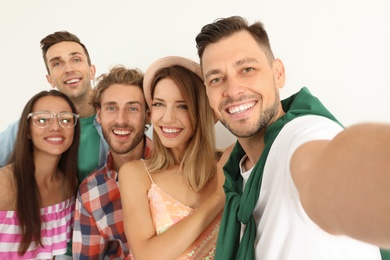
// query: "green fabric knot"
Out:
[240,204]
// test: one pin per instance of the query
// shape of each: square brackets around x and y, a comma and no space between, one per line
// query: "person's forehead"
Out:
[52,104]
[232,50]
[64,48]
[123,93]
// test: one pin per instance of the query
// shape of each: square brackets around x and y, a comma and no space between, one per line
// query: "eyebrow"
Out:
[244,61]
[235,64]
[211,72]
[108,103]
[70,54]
[162,100]
[133,103]
[51,112]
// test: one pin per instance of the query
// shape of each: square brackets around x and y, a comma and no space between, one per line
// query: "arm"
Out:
[140,232]
[87,242]
[7,189]
[7,141]
[344,184]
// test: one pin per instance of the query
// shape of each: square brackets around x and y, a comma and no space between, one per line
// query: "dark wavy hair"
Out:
[28,200]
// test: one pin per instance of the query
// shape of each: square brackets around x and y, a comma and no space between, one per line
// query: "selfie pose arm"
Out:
[344,184]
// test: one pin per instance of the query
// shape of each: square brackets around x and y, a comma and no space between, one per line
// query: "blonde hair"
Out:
[198,164]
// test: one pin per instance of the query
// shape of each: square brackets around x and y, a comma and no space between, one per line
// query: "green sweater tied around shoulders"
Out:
[239,205]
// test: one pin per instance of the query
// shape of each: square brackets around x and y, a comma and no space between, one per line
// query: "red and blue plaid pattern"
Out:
[98,225]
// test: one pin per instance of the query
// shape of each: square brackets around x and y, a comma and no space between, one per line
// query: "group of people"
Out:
[295,185]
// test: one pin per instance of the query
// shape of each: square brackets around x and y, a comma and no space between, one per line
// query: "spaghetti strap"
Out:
[150,177]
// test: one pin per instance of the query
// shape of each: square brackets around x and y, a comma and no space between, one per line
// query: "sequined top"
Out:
[166,211]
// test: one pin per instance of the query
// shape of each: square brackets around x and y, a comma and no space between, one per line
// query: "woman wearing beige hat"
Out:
[172,203]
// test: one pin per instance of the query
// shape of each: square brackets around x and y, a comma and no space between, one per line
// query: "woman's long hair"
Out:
[28,199]
[198,163]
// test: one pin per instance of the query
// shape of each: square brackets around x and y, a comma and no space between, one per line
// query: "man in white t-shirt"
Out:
[298,185]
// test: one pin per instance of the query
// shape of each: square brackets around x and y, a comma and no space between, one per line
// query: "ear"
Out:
[148,120]
[148,117]
[98,110]
[48,78]
[279,74]
[92,71]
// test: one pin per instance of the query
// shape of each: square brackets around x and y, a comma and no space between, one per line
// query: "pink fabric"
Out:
[56,230]
[166,211]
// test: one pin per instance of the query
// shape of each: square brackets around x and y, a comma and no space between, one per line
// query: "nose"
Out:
[234,87]
[121,118]
[54,125]
[68,67]
[169,115]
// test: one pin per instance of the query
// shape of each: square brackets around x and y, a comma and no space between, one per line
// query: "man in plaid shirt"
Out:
[124,117]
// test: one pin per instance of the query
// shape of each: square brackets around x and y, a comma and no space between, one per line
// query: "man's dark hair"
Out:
[57,37]
[225,27]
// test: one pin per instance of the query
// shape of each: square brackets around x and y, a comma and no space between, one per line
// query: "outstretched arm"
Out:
[134,184]
[344,184]
[7,142]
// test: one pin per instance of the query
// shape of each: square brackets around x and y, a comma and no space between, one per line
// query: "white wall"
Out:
[340,49]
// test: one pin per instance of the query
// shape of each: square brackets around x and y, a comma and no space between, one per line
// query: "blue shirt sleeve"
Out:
[103,143]
[7,142]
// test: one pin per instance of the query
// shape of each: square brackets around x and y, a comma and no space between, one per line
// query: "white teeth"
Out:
[55,139]
[170,130]
[121,132]
[72,81]
[240,108]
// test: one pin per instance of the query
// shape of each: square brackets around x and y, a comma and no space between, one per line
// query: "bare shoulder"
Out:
[134,170]
[7,188]
[225,154]
[134,182]
[132,166]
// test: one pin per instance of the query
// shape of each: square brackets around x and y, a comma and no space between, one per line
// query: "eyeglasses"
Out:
[43,119]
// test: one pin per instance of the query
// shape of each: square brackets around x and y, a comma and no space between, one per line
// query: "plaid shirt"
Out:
[98,224]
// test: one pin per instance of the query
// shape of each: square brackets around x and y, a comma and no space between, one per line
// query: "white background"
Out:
[339,49]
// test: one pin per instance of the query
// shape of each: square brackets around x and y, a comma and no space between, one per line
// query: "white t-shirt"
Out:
[284,230]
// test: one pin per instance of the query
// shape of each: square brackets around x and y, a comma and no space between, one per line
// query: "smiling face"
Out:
[170,116]
[53,139]
[69,70]
[123,117]
[242,85]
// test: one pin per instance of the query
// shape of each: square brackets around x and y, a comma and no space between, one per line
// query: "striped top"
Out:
[56,231]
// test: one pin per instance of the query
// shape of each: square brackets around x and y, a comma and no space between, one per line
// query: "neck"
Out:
[178,153]
[83,106]
[253,147]
[46,170]
[85,110]
[135,154]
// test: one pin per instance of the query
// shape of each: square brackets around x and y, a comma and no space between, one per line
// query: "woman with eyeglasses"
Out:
[38,186]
